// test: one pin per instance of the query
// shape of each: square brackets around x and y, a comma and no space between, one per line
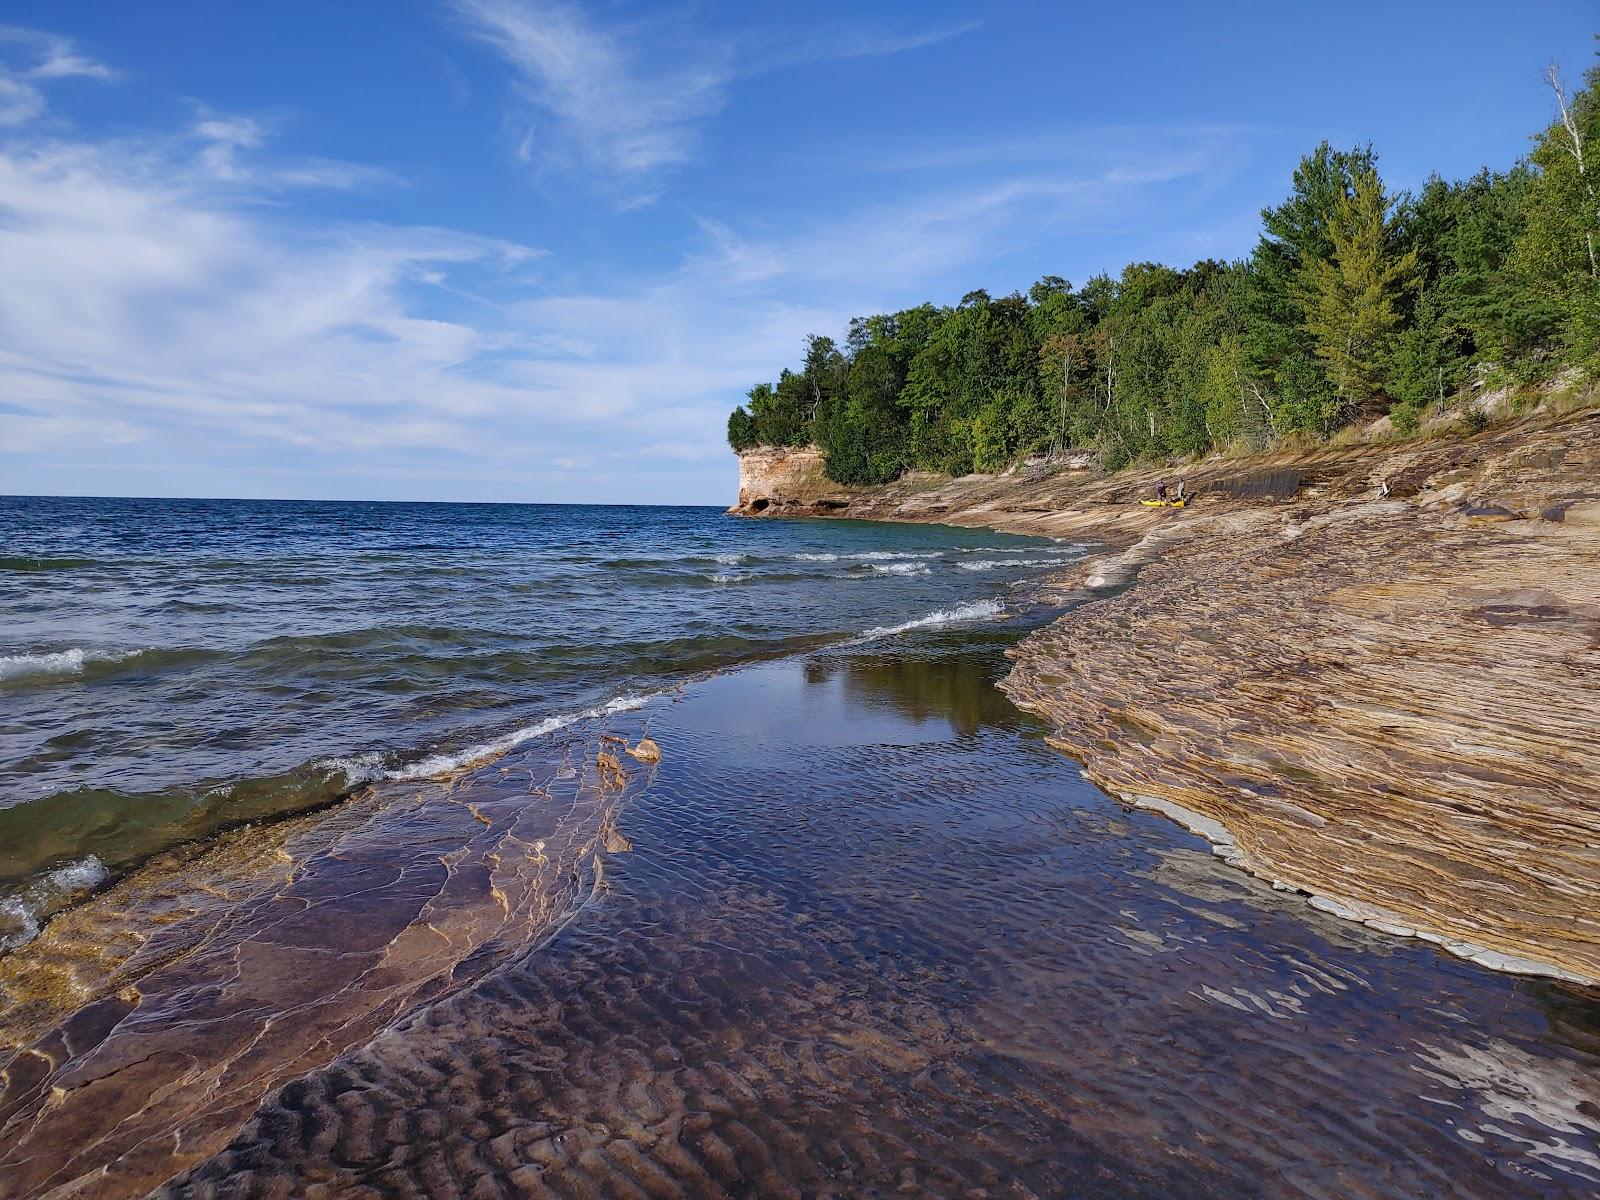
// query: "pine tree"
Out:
[1351,299]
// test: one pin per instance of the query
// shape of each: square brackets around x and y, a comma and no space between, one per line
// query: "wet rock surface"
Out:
[139,1032]
[1389,703]
[875,937]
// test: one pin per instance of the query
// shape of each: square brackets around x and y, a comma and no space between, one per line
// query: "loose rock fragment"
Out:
[646,751]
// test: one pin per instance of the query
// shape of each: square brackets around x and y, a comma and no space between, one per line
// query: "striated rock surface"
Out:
[788,481]
[140,1031]
[1372,672]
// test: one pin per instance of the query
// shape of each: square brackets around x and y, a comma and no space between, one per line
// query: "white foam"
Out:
[731,560]
[80,876]
[976,610]
[726,577]
[357,768]
[872,556]
[369,768]
[901,568]
[19,915]
[19,924]
[995,564]
[21,666]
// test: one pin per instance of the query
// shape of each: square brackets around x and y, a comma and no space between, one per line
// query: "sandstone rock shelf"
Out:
[141,1030]
[1376,667]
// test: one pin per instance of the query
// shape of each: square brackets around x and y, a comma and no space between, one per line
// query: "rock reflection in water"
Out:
[857,951]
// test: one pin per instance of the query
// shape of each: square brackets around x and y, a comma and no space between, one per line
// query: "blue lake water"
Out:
[172,667]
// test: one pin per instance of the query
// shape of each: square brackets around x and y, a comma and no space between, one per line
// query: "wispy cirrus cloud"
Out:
[28,58]
[627,102]
[602,99]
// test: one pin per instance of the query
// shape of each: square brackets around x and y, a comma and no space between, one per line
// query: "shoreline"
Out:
[1420,778]
[429,925]
[863,908]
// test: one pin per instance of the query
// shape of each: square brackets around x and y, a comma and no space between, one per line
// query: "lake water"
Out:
[860,932]
[169,668]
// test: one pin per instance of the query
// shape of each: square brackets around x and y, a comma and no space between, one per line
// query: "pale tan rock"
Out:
[646,751]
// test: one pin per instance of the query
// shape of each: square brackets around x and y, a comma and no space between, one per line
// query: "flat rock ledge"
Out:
[1370,674]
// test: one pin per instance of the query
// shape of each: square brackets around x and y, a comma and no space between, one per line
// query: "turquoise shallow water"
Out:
[172,667]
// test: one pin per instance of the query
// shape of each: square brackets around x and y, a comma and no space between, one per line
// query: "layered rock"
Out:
[139,1031]
[1371,673]
[788,481]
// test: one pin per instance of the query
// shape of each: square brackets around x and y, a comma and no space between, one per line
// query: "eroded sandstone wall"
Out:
[788,481]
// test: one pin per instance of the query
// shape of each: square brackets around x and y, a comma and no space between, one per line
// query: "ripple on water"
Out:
[863,947]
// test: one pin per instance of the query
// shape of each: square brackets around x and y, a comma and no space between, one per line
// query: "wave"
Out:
[25,666]
[975,610]
[16,563]
[75,662]
[20,915]
[373,768]
[900,568]
[995,564]
[870,556]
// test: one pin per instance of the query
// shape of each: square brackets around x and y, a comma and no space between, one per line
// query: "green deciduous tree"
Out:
[1351,303]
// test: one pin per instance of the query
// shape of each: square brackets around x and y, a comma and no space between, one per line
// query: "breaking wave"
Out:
[371,768]
[20,915]
[26,666]
[977,610]
[870,556]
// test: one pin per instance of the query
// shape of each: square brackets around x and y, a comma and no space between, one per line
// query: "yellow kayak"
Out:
[1163,503]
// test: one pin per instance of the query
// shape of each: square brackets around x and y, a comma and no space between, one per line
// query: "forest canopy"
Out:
[1355,303]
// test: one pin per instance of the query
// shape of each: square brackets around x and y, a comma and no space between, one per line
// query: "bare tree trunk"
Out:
[1266,409]
[1570,124]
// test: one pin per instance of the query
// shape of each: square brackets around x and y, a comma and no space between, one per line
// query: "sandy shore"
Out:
[1372,673]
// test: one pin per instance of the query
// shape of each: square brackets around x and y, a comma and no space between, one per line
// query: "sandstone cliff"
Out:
[1371,673]
[788,481]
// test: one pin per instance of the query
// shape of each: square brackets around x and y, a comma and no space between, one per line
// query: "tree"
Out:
[1351,297]
[1557,247]
[1295,234]
[1350,300]
[742,434]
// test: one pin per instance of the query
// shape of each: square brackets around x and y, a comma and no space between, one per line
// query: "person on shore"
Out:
[1161,491]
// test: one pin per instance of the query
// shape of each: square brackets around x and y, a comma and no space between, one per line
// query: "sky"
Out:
[530,250]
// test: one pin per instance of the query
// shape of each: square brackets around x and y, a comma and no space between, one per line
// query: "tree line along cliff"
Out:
[1355,303]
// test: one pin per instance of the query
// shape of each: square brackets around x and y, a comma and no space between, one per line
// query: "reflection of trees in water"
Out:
[957,685]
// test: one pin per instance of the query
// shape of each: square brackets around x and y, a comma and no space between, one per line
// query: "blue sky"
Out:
[526,250]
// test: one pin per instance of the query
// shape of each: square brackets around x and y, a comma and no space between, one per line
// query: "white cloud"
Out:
[19,101]
[606,102]
[166,304]
[629,102]
[27,57]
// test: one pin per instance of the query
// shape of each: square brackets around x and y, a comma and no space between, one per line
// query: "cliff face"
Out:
[1370,673]
[788,481]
